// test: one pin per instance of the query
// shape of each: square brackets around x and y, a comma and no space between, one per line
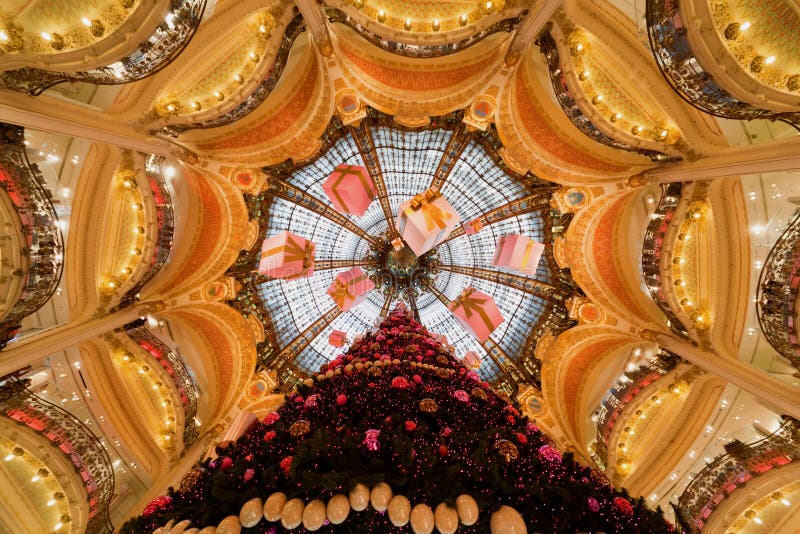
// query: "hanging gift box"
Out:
[350,288]
[288,256]
[350,189]
[337,339]
[398,244]
[477,313]
[425,221]
[518,253]
[472,227]
[471,360]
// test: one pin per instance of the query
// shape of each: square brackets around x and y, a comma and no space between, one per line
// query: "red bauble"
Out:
[286,464]
[443,450]
[341,399]
[622,506]
[521,439]
[410,426]
[269,436]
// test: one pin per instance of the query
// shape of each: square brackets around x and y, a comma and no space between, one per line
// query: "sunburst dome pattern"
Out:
[409,160]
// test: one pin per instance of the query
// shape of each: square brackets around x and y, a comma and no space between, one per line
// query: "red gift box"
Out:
[350,288]
[472,227]
[518,253]
[477,313]
[471,360]
[288,256]
[337,339]
[350,189]
[426,220]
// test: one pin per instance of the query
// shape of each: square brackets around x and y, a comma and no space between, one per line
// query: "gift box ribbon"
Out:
[473,305]
[351,170]
[527,256]
[341,292]
[435,217]
[295,252]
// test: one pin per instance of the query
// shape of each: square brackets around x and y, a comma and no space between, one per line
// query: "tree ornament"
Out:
[229,525]
[410,426]
[252,512]
[341,399]
[445,519]
[308,382]
[270,419]
[311,401]
[467,509]
[273,506]
[441,360]
[422,520]
[292,514]
[428,406]
[622,505]
[400,382]
[359,497]
[521,438]
[594,506]
[443,450]
[269,436]
[550,453]
[248,474]
[299,428]
[374,371]
[442,373]
[506,449]
[399,511]
[380,496]
[479,393]
[314,515]
[461,395]
[506,520]
[338,508]
[191,478]
[286,465]
[370,440]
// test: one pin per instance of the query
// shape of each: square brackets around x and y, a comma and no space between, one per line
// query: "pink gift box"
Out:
[288,256]
[398,244]
[471,360]
[518,253]
[350,189]
[337,339]
[477,313]
[426,220]
[350,288]
[472,227]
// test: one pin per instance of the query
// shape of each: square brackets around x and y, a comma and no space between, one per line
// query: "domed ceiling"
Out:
[464,166]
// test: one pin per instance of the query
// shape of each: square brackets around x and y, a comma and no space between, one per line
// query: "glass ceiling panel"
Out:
[408,159]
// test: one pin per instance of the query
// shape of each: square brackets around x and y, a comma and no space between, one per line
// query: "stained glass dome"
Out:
[465,167]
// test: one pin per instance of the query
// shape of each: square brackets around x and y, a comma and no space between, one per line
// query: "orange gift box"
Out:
[350,189]
[350,288]
[337,339]
[477,313]
[288,256]
[426,220]
[472,227]
[518,253]
[471,360]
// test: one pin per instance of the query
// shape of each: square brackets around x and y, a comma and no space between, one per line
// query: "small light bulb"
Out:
[262,28]
[238,78]
[744,26]
[770,60]
[46,36]
[3,36]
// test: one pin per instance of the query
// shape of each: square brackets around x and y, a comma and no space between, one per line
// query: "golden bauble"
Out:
[229,525]
[446,519]
[251,513]
[338,508]
[292,514]
[422,521]
[273,506]
[359,497]
[314,515]
[467,509]
[180,527]
[506,520]
[399,510]
[380,496]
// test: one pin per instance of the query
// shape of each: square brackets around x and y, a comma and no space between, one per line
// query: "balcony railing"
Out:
[652,249]
[165,223]
[616,399]
[673,54]
[73,439]
[257,97]
[567,101]
[777,293]
[173,365]
[727,472]
[152,55]
[43,243]
[420,50]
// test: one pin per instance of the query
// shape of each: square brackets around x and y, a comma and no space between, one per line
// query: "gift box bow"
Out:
[351,170]
[295,252]
[435,217]
[473,305]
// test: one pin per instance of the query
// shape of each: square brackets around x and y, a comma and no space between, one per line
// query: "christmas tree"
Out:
[396,436]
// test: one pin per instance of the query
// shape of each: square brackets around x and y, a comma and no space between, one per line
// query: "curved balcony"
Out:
[777,293]
[152,55]
[616,399]
[568,102]
[667,32]
[295,27]
[74,440]
[652,249]
[422,50]
[41,249]
[729,471]
[177,371]
[165,228]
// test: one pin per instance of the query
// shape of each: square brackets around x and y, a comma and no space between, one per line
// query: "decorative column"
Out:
[30,350]
[784,397]
[530,27]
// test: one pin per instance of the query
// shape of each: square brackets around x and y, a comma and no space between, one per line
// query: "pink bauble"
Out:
[341,399]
